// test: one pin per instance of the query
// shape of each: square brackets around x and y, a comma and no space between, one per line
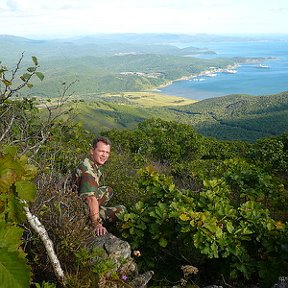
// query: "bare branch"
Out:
[41,231]
[7,129]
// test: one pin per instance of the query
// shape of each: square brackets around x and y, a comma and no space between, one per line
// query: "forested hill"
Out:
[242,117]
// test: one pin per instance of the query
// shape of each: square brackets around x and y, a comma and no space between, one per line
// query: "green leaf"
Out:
[211,227]
[26,190]
[163,242]
[40,75]
[141,225]
[10,150]
[132,230]
[154,228]
[25,76]
[139,205]
[7,178]
[270,225]
[153,214]
[214,250]
[218,232]
[229,227]
[6,82]
[14,271]
[184,217]
[10,236]
[246,231]
[35,60]
[185,229]
[31,69]
[15,211]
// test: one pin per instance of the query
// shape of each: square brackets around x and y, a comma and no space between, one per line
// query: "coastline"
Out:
[194,76]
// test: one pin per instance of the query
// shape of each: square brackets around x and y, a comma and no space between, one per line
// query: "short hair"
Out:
[101,139]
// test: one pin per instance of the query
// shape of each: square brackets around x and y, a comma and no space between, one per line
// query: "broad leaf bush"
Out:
[16,185]
[205,225]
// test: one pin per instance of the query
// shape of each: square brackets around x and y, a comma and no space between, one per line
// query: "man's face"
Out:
[101,153]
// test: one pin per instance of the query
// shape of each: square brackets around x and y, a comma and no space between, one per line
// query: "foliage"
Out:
[10,86]
[93,266]
[273,152]
[45,284]
[16,186]
[208,224]
[163,141]
[219,205]
[233,117]
[25,125]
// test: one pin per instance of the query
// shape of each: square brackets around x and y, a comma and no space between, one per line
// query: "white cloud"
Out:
[68,17]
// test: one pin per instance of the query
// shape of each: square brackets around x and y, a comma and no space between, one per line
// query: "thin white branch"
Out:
[7,129]
[41,231]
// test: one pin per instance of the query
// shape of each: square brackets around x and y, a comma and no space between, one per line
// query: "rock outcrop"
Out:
[120,253]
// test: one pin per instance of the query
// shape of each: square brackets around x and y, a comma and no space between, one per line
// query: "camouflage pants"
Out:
[108,214]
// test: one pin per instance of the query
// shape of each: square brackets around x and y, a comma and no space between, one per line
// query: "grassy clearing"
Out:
[150,99]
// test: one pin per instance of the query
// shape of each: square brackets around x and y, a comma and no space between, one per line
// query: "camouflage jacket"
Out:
[87,177]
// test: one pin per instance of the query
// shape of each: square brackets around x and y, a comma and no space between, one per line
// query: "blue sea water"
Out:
[249,79]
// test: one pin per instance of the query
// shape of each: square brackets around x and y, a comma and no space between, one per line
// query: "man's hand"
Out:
[93,205]
[100,229]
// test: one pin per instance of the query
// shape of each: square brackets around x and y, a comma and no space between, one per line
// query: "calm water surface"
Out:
[249,79]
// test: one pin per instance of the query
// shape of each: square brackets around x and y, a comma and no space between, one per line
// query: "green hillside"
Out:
[126,110]
[96,75]
[230,117]
[241,116]
[114,82]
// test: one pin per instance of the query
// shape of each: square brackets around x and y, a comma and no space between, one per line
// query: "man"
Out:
[88,176]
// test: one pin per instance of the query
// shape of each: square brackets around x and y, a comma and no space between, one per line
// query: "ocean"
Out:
[250,79]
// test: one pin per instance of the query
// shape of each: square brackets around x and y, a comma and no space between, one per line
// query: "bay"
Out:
[250,79]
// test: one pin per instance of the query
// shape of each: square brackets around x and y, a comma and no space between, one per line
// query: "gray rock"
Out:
[282,283]
[113,246]
[120,252]
[141,281]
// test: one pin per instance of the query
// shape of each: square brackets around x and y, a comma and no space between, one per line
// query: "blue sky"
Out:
[65,18]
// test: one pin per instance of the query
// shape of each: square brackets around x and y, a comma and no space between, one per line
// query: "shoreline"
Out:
[214,70]
[194,76]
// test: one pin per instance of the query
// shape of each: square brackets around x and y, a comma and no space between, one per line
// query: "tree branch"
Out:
[41,231]
[7,129]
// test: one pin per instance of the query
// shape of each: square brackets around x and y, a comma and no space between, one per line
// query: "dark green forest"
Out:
[215,205]
[232,117]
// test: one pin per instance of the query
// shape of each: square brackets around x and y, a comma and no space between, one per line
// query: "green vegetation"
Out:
[17,187]
[97,75]
[232,117]
[252,116]
[216,206]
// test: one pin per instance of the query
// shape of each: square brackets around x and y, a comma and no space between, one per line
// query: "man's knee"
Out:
[111,213]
